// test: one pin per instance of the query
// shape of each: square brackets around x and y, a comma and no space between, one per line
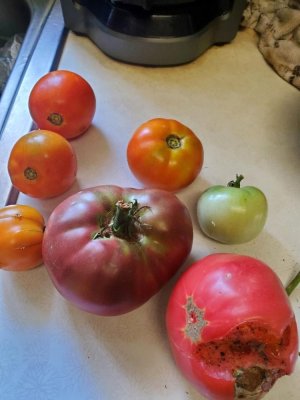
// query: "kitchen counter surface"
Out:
[248,120]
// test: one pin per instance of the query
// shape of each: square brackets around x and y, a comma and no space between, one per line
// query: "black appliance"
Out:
[154,32]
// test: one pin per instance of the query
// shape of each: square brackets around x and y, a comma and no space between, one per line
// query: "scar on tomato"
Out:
[195,321]
[251,353]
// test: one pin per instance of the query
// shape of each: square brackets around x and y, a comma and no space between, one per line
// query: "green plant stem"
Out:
[237,182]
[293,284]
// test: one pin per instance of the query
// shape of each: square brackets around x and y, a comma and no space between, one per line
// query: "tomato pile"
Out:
[109,249]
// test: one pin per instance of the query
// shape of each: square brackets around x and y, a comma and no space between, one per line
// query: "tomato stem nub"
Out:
[237,182]
[55,119]
[173,141]
[30,173]
[293,284]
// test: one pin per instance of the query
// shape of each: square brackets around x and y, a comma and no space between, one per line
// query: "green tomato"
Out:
[231,214]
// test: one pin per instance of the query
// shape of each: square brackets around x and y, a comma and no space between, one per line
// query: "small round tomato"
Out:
[63,102]
[42,164]
[165,154]
[21,236]
[231,327]
[231,214]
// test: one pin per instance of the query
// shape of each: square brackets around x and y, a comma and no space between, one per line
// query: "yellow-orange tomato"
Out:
[42,164]
[21,236]
[165,154]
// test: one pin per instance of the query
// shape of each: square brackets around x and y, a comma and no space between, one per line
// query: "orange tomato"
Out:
[42,164]
[63,102]
[165,154]
[21,236]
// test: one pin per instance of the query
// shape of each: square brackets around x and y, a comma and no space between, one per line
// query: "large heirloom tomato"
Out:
[63,102]
[42,164]
[165,154]
[231,327]
[109,249]
[21,236]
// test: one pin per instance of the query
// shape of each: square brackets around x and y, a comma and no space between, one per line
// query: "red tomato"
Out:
[21,235]
[231,327]
[109,249]
[63,102]
[42,164]
[165,154]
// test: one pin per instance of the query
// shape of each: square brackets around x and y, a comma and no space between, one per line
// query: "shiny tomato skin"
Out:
[229,312]
[232,214]
[42,164]
[105,268]
[63,102]
[21,236]
[165,154]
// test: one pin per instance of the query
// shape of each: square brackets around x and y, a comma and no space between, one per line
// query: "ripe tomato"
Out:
[231,214]
[165,154]
[63,102]
[120,246]
[42,164]
[231,327]
[21,235]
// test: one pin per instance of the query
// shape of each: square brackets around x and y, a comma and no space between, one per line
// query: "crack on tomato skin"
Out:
[195,321]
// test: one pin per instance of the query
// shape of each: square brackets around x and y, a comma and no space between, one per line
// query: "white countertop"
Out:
[248,120]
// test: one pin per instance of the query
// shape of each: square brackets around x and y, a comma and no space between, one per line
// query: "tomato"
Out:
[231,214]
[42,164]
[231,327]
[21,235]
[109,249]
[165,154]
[63,102]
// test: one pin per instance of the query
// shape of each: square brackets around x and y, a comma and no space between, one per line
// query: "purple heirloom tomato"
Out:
[108,249]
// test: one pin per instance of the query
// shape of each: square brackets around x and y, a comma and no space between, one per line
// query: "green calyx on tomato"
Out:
[231,214]
[124,222]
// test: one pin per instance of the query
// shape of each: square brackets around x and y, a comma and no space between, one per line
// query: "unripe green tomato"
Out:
[231,214]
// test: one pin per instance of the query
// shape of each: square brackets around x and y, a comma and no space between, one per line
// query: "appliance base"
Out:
[152,51]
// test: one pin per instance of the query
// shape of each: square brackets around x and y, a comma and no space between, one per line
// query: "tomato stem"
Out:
[237,182]
[173,141]
[293,284]
[124,222]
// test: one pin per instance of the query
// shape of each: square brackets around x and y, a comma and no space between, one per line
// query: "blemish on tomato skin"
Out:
[251,354]
[195,321]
